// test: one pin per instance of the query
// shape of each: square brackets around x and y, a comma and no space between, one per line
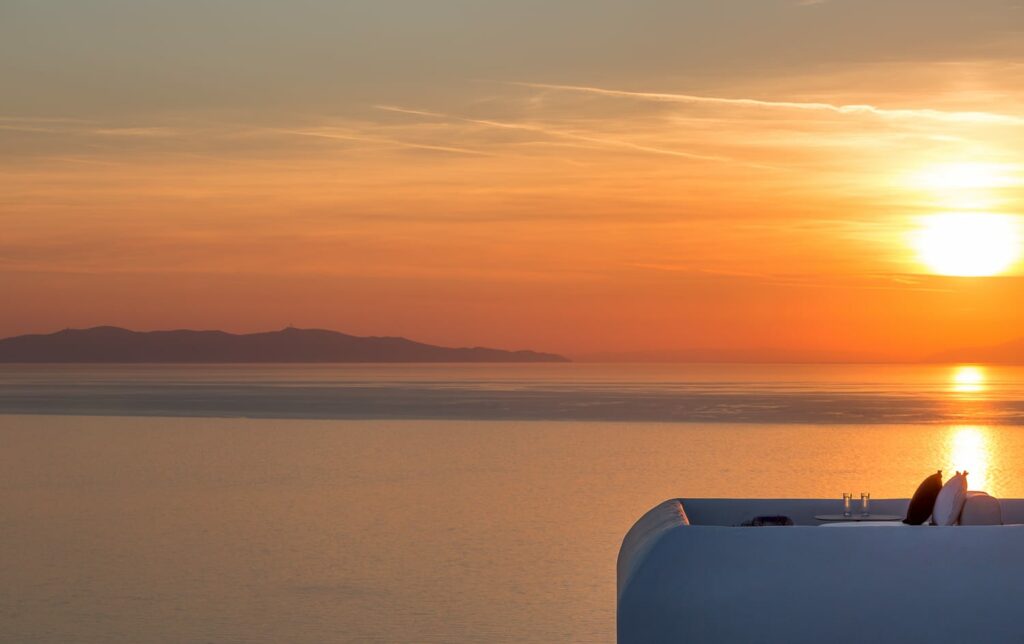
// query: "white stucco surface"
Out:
[712,582]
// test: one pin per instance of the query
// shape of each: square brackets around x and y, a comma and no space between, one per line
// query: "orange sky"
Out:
[714,179]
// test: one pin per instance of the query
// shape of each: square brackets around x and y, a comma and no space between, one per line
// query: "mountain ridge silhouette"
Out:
[111,344]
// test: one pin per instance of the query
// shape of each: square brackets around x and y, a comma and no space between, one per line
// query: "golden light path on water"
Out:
[969,447]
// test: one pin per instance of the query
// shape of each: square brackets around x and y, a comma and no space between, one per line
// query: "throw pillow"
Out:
[924,500]
[950,501]
[981,509]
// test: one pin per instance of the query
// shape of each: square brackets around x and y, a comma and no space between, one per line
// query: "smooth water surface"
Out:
[194,529]
[828,394]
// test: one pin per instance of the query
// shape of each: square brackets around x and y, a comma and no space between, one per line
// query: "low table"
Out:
[857,516]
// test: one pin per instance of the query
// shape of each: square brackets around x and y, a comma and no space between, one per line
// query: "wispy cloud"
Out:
[852,109]
[82,127]
[137,131]
[323,133]
[41,119]
[406,110]
[563,134]
[873,282]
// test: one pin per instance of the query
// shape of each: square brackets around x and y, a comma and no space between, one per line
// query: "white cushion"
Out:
[950,501]
[981,509]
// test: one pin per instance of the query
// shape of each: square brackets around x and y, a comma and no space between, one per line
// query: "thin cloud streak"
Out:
[854,109]
[570,136]
[795,280]
[142,132]
[381,140]
[43,119]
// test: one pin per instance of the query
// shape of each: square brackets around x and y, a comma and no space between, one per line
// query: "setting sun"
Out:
[968,244]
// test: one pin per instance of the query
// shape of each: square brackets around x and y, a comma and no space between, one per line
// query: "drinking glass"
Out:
[865,499]
[847,501]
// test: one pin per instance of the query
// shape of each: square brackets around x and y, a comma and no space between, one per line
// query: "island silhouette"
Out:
[109,344]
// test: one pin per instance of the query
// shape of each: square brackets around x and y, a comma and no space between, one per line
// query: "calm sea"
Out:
[443,503]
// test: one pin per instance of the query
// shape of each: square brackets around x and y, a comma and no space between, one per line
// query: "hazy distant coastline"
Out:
[116,345]
[109,344]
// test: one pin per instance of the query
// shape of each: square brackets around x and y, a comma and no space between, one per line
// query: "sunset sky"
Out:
[698,179]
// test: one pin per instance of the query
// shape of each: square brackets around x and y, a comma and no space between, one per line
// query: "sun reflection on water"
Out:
[968,379]
[970,448]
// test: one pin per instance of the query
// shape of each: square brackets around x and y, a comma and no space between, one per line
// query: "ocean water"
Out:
[826,394]
[435,503]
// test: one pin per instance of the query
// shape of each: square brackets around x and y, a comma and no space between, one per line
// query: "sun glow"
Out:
[965,186]
[968,379]
[968,244]
[964,176]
